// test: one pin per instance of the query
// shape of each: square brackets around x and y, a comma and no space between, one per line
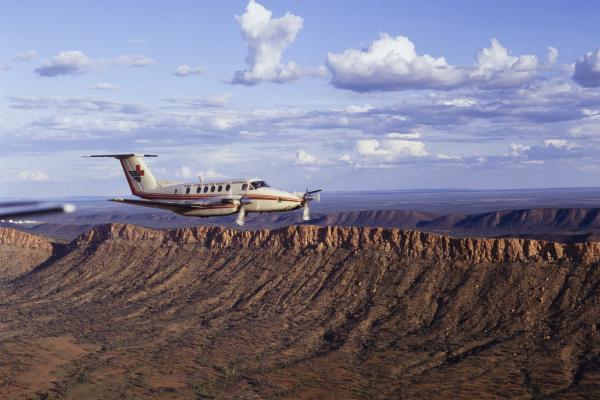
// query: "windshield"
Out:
[259,184]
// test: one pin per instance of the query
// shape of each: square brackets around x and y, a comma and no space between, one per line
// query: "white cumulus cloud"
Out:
[23,56]
[587,70]
[392,63]
[186,70]
[304,158]
[517,150]
[552,55]
[75,62]
[267,38]
[103,86]
[133,60]
[390,149]
[497,68]
[559,144]
[70,62]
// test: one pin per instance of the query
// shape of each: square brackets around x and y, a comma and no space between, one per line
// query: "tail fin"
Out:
[138,174]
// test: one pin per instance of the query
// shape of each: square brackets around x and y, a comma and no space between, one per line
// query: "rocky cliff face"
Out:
[302,313]
[410,244]
[19,252]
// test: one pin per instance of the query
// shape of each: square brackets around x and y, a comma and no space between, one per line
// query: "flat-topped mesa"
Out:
[412,244]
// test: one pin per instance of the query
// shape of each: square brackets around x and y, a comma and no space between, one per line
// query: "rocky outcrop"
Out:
[20,252]
[410,244]
[16,238]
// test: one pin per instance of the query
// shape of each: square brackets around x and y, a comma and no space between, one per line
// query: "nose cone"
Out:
[290,198]
[289,195]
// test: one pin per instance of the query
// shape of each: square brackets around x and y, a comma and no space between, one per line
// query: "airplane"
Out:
[207,199]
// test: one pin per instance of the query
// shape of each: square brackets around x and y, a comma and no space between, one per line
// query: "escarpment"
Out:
[301,312]
[411,244]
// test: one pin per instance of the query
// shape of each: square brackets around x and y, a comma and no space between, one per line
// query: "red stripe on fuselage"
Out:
[164,196]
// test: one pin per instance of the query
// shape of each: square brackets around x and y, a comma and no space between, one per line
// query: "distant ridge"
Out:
[559,224]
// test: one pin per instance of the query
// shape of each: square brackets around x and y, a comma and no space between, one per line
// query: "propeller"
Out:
[308,196]
[241,218]
[21,209]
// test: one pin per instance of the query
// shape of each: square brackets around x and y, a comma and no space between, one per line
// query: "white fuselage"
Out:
[261,199]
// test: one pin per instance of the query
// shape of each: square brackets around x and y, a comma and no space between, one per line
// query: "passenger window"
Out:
[198,189]
[205,189]
[212,189]
[175,191]
[244,186]
[227,187]
[187,190]
[220,187]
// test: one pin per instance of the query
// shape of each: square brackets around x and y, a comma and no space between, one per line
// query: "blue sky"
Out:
[339,95]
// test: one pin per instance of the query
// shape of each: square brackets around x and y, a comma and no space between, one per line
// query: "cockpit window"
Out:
[259,184]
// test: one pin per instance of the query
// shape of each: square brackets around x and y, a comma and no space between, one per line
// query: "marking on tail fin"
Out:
[137,173]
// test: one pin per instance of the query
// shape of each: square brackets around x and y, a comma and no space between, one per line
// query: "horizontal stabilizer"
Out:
[121,156]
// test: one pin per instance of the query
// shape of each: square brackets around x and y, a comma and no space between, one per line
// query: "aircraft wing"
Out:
[180,205]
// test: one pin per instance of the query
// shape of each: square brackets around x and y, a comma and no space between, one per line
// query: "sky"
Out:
[338,95]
